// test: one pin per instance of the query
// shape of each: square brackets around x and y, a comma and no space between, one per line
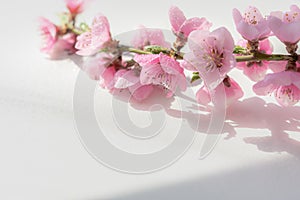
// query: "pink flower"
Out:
[129,79]
[55,45]
[183,26]
[63,46]
[75,6]
[141,92]
[49,33]
[107,78]
[101,68]
[97,38]
[95,66]
[256,71]
[146,37]
[211,54]
[161,70]
[285,85]
[251,25]
[285,26]
[232,90]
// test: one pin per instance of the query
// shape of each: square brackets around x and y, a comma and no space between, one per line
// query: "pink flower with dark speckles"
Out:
[285,85]
[251,24]
[285,26]
[97,38]
[161,70]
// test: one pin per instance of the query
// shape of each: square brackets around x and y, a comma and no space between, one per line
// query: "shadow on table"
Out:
[252,113]
[256,114]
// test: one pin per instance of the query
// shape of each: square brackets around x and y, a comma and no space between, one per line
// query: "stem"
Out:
[254,57]
[138,51]
[244,58]
[77,31]
[257,56]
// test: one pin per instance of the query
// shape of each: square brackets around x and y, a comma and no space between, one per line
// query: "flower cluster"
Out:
[151,62]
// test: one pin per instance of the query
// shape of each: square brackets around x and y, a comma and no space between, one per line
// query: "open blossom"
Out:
[63,46]
[102,68]
[181,25]
[256,71]
[232,90]
[211,54]
[129,79]
[49,33]
[285,85]
[95,66]
[146,37]
[75,6]
[97,38]
[56,45]
[161,70]
[251,24]
[285,26]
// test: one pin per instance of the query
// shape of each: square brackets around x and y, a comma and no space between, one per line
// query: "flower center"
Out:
[252,16]
[288,95]
[291,16]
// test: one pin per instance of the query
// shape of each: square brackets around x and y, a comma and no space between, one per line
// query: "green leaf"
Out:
[156,49]
[195,77]
[240,50]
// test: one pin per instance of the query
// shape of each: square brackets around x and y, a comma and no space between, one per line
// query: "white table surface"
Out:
[41,154]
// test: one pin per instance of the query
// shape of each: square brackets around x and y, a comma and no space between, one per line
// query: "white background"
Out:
[41,154]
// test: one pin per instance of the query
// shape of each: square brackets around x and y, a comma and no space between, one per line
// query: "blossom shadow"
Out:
[254,113]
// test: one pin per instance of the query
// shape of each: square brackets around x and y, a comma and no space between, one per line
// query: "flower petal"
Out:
[286,32]
[176,17]
[170,65]
[125,79]
[141,92]
[194,24]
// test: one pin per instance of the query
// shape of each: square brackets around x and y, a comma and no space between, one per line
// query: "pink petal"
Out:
[100,31]
[196,38]
[95,66]
[187,65]
[266,46]
[203,96]
[194,24]
[147,36]
[247,31]
[75,6]
[276,80]
[170,65]
[107,78]
[152,74]
[286,32]
[287,95]
[156,37]
[256,72]
[234,92]
[141,92]
[182,82]
[125,79]
[84,45]
[251,30]
[176,17]
[146,60]
[277,66]
[49,34]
